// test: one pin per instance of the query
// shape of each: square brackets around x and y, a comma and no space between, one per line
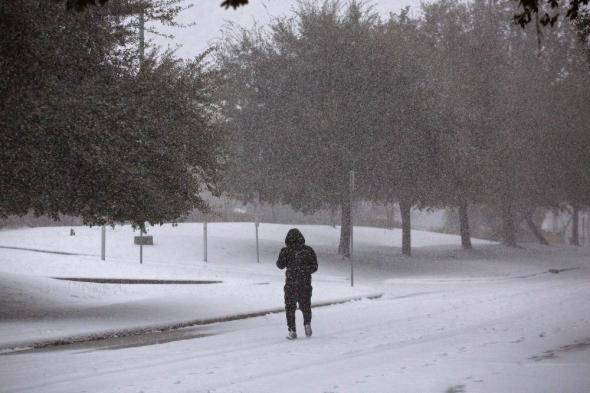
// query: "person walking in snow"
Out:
[301,262]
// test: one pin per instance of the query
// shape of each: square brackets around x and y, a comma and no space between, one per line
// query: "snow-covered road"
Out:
[513,335]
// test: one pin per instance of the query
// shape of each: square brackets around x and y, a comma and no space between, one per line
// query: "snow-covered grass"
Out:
[487,320]
[36,307]
[235,242]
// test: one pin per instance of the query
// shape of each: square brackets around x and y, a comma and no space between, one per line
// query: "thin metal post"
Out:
[584,232]
[256,224]
[587,231]
[141,37]
[102,243]
[141,246]
[205,239]
[351,211]
[351,182]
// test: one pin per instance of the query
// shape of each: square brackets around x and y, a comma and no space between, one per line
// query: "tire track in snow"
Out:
[382,350]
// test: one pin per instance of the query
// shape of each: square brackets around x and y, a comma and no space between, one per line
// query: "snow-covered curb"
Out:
[157,328]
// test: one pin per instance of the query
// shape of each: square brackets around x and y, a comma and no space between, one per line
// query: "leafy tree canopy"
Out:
[537,8]
[86,132]
[80,5]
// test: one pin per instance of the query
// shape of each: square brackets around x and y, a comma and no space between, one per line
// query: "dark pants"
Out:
[293,296]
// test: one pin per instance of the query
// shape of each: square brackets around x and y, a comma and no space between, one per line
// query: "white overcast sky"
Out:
[209,19]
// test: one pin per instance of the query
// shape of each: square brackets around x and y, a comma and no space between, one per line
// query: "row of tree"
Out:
[457,107]
[91,127]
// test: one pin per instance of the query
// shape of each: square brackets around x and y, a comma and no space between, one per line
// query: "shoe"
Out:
[292,335]
[307,330]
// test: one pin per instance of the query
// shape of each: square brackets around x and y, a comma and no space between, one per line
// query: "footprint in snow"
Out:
[456,389]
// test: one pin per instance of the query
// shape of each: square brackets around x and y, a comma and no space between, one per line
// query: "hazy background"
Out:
[209,18]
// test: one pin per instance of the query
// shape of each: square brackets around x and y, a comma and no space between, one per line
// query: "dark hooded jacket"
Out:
[299,259]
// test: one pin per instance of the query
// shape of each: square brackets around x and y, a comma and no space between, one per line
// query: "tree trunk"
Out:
[404,208]
[508,226]
[534,229]
[575,240]
[464,226]
[344,247]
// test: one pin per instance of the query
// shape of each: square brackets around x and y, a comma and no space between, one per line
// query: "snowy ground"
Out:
[488,320]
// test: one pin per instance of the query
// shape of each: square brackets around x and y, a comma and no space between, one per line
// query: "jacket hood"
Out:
[294,238]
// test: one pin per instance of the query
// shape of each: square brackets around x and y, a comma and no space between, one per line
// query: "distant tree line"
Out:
[455,108]
[91,128]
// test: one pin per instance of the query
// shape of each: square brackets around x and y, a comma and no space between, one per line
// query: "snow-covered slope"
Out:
[235,242]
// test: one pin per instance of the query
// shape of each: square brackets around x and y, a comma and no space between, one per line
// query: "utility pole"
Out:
[141,56]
